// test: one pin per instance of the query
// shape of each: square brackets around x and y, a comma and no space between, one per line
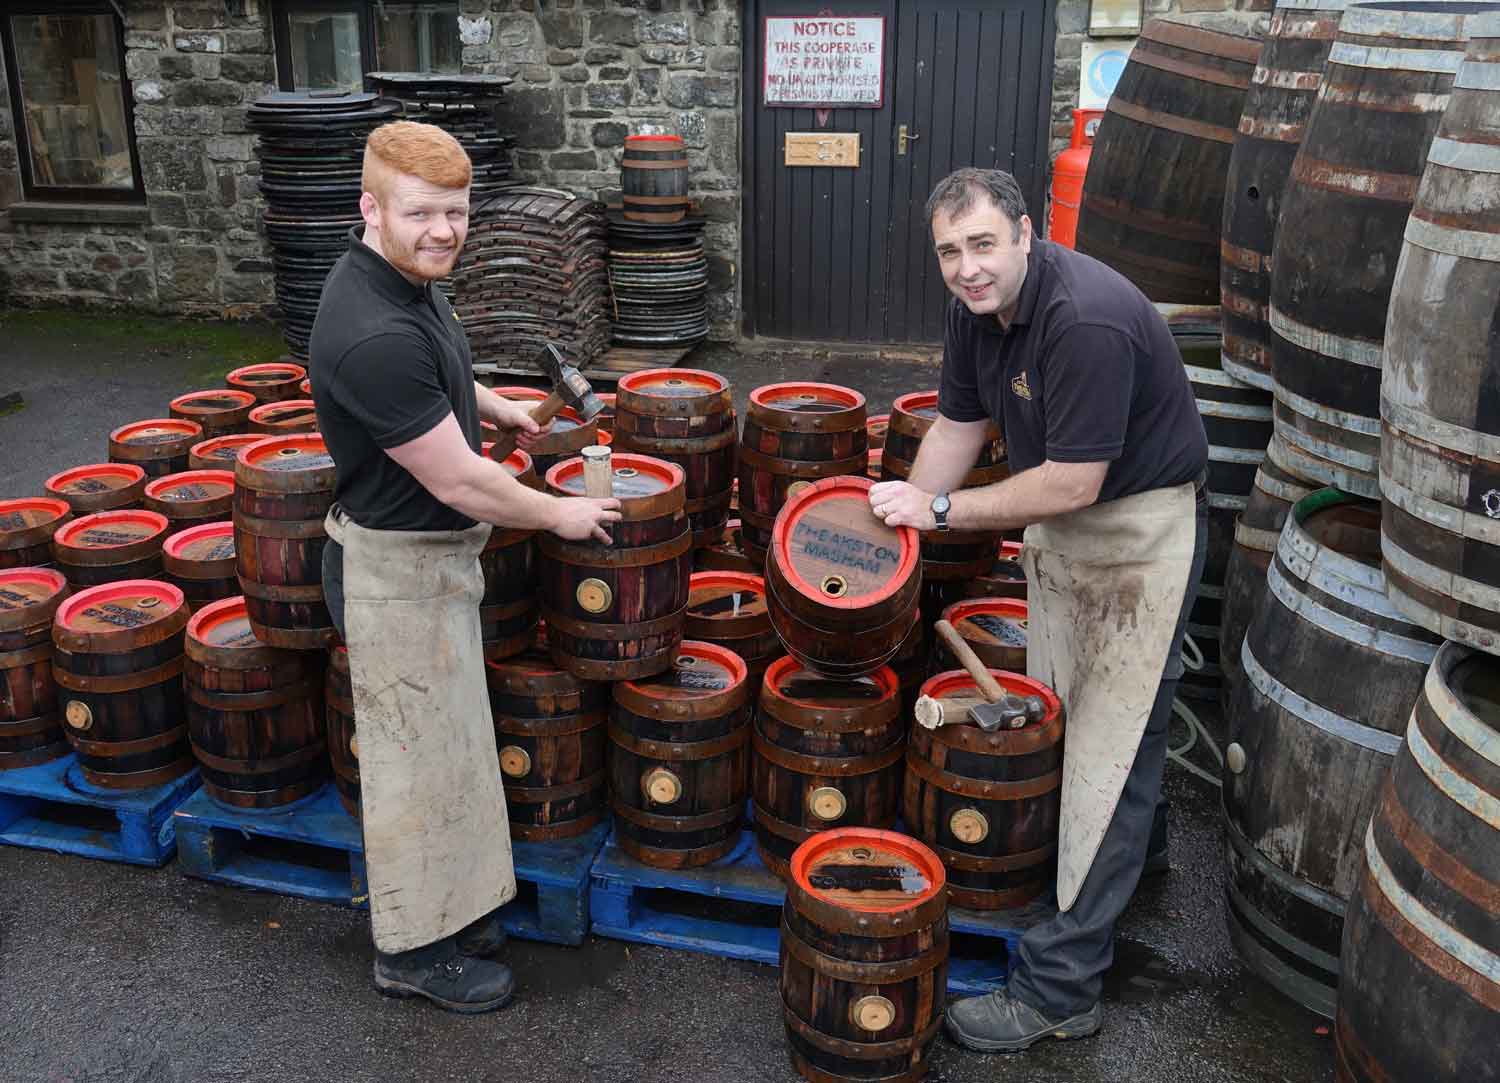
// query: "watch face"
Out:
[941,505]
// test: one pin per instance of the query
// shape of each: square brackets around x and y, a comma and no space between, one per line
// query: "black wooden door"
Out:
[843,254]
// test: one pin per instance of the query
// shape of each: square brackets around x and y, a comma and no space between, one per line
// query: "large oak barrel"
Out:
[827,754]
[270,382]
[255,713]
[283,490]
[1153,200]
[30,730]
[1440,437]
[222,452]
[684,416]
[98,487]
[508,611]
[1383,93]
[159,446]
[864,957]
[343,738]
[729,610]
[199,561]
[1277,105]
[988,803]
[841,585]
[654,178]
[995,628]
[677,759]
[794,433]
[551,732]
[109,546]
[1420,993]
[117,657]
[192,497]
[615,612]
[27,526]
[1331,671]
[284,417]
[223,412]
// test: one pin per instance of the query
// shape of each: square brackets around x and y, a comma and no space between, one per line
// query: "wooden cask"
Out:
[616,612]
[864,957]
[283,490]
[988,804]
[224,412]
[508,611]
[199,561]
[876,428]
[98,487]
[728,609]
[795,433]
[117,658]
[255,713]
[841,585]
[271,382]
[1153,200]
[995,628]
[827,753]
[654,178]
[1006,578]
[30,728]
[1344,213]
[1277,105]
[192,497]
[284,417]
[1420,992]
[551,730]
[912,663]
[568,435]
[158,446]
[222,452]
[677,759]
[1440,437]
[725,555]
[343,736]
[1331,671]
[110,546]
[27,526]
[606,416]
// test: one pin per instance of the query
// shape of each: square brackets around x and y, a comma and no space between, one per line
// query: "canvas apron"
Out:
[1104,586]
[437,842]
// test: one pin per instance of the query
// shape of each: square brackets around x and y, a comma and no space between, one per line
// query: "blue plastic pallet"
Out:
[636,902]
[315,851]
[40,808]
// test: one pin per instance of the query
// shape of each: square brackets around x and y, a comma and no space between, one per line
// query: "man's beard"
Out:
[405,259]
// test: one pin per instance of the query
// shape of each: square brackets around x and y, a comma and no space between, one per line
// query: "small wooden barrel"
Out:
[568,435]
[994,627]
[1424,923]
[222,452]
[827,754]
[30,729]
[223,412]
[729,609]
[606,416]
[255,713]
[725,555]
[1331,670]
[677,759]
[109,546]
[551,731]
[654,178]
[26,529]
[158,446]
[270,382]
[864,956]
[117,657]
[876,429]
[99,487]
[1006,577]
[876,469]
[794,433]
[616,612]
[988,803]
[343,741]
[842,586]
[192,497]
[283,488]
[199,561]
[508,612]
[684,416]
[287,416]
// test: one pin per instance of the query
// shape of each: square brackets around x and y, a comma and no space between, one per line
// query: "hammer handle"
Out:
[543,412]
[988,686]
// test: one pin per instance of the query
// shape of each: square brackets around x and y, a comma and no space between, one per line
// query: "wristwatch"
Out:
[940,506]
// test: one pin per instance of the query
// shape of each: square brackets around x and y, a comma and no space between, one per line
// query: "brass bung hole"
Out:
[684,661]
[78,715]
[674,382]
[626,472]
[873,1013]
[149,603]
[806,397]
[287,451]
[862,853]
[835,586]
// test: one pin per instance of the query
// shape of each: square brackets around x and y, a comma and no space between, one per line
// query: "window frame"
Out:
[282,37]
[31,190]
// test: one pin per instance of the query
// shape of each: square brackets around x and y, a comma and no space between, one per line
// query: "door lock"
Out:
[903,137]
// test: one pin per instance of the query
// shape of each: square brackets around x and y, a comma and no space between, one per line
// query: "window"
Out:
[330,44]
[71,100]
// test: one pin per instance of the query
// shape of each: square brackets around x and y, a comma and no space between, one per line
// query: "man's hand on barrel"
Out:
[510,414]
[581,518]
[899,503]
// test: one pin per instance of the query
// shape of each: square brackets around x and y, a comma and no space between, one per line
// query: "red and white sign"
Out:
[824,61]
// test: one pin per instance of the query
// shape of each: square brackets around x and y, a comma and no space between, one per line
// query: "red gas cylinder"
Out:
[1068,171]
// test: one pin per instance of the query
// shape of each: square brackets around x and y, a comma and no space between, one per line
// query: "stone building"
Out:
[128,175]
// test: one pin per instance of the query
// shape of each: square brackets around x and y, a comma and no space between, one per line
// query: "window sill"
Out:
[102,214]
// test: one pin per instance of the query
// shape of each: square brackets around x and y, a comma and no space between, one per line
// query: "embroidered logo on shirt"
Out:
[1021,387]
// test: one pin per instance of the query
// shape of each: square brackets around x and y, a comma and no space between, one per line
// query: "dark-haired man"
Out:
[1107,455]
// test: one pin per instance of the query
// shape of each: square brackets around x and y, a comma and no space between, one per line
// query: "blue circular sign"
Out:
[1104,71]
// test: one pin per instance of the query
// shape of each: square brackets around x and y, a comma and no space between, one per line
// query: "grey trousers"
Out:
[333,583]
[1063,960]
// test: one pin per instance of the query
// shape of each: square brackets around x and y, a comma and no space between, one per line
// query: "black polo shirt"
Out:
[389,361]
[1086,372]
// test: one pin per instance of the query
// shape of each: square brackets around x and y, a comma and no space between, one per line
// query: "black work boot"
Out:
[999,1023]
[450,980]
[483,937]
[1156,850]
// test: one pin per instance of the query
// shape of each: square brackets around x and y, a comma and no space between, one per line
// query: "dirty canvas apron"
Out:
[437,842]
[1105,586]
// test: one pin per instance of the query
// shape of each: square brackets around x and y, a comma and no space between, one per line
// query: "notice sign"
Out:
[824,61]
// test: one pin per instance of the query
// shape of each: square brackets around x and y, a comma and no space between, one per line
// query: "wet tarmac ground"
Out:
[114,973]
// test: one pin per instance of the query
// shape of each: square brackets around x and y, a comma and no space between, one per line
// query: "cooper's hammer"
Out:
[569,388]
[998,710]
